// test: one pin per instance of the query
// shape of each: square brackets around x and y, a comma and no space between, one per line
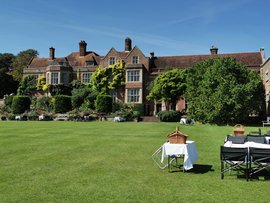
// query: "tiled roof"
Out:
[75,59]
[44,62]
[252,59]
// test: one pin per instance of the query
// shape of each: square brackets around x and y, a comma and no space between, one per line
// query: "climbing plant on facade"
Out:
[110,78]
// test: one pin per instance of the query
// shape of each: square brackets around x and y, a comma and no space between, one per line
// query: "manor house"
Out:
[140,69]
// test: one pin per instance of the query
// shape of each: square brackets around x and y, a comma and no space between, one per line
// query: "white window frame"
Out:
[134,75]
[86,77]
[135,59]
[54,78]
[112,60]
[134,95]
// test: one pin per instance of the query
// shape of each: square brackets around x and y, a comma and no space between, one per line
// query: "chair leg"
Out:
[221,170]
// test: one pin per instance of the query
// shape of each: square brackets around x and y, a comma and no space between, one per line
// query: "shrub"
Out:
[169,116]
[103,104]
[20,104]
[8,100]
[62,104]
[139,108]
[44,103]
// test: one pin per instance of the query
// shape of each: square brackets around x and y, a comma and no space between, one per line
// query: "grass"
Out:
[111,162]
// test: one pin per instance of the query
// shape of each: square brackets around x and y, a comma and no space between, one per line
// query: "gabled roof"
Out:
[252,59]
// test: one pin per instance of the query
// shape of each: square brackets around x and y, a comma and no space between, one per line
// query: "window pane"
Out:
[112,60]
[86,77]
[133,95]
[135,59]
[133,75]
[54,78]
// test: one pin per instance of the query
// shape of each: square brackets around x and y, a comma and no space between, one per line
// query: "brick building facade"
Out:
[140,69]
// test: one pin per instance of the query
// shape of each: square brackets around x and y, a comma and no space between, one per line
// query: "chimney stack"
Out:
[152,55]
[52,52]
[128,44]
[82,45]
[262,54]
[214,50]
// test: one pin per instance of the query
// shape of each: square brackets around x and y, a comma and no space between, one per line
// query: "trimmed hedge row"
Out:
[20,104]
[169,116]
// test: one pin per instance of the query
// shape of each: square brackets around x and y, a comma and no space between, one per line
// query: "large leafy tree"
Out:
[222,90]
[168,86]
[21,61]
[7,83]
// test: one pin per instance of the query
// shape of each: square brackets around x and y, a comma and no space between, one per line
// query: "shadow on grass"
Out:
[197,169]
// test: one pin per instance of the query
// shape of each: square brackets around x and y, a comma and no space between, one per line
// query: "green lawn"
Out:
[111,162]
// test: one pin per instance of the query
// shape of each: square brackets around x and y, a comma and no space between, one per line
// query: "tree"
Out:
[109,78]
[21,61]
[27,86]
[222,90]
[168,86]
[7,83]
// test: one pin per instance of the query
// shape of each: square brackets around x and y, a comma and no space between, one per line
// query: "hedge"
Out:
[104,104]
[62,104]
[20,104]
[169,116]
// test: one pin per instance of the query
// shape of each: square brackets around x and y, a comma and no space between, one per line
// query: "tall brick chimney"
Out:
[262,54]
[52,53]
[214,50]
[82,45]
[128,44]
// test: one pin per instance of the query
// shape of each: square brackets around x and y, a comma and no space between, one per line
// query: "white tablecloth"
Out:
[188,150]
[246,145]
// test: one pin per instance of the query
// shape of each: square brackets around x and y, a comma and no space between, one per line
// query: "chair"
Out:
[257,139]
[236,139]
[234,159]
[259,160]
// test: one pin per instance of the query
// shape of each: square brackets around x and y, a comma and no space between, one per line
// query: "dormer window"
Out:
[90,63]
[135,59]
[111,60]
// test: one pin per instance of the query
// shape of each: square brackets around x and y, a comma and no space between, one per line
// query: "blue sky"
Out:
[171,27]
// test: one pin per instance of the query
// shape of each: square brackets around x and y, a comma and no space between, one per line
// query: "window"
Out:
[133,95]
[113,95]
[112,61]
[54,78]
[89,63]
[133,75]
[64,78]
[86,77]
[135,60]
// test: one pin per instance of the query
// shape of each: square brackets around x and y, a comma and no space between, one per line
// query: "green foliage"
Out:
[27,86]
[44,103]
[41,83]
[169,116]
[62,104]
[104,104]
[59,89]
[7,83]
[8,100]
[21,61]
[222,90]
[168,86]
[109,78]
[20,104]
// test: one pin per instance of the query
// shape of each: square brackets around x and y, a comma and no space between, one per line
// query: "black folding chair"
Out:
[236,139]
[234,159]
[257,139]
[259,160]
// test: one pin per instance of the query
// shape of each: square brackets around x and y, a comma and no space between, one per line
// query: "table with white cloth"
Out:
[188,150]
